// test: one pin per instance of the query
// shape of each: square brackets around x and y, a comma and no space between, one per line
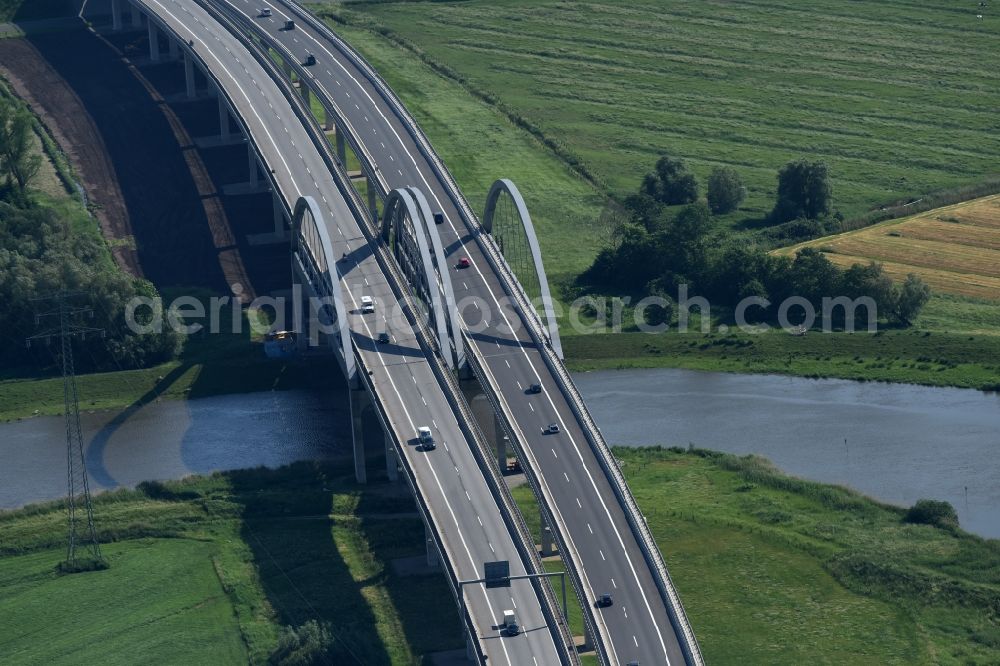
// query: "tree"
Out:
[683,244]
[671,183]
[725,190]
[813,275]
[804,190]
[932,512]
[308,644]
[911,299]
[18,160]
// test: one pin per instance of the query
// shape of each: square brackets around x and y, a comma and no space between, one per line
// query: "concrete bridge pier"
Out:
[359,400]
[189,84]
[304,89]
[341,148]
[391,462]
[372,204]
[173,49]
[588,640]
[154,41]
[501,444]
[254,173]
[328,123]
[548,544]
[279,217]
[136,16]
[432,551]
[224,130]
[116,15]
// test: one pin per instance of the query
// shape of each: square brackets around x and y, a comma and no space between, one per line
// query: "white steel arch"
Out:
[400,203]
[506,185]
[309,231]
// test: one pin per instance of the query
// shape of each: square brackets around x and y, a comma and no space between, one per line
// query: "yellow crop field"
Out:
[955,249]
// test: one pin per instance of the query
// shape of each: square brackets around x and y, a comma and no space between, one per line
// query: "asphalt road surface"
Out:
[448,477]
[638,623]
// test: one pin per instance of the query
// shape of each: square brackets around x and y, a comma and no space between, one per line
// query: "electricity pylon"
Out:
[78,488]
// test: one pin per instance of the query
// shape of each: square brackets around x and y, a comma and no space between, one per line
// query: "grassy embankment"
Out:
[771,570]
[438,80]
[896,99]
[27,10]
[208,365]
[208,570]
[776,570]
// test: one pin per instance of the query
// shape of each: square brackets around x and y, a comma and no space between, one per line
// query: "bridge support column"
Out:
[223,118]
[341,149]
[588,640]
[252,158]
[501,444]
[154,42]
[189,85]
[372,207]
[116,15]
[391,465]
[359,398]
[548,545]
[328,119]
[136,17]
[279,216]
[432,551]
[173,49]
[304,89]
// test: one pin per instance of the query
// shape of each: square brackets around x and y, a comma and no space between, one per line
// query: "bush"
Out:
[725,190]
[804,190]
[671,183]
[932,512]
[308,644]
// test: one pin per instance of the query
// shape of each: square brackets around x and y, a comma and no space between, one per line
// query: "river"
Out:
[172,439]
[897,443]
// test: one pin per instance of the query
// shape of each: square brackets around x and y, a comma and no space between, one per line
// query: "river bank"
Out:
[908,356]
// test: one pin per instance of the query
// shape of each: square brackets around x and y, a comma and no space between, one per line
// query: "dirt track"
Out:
[74,130]
[133,155]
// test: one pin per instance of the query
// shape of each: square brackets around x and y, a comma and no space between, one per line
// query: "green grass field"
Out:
[897,98]
[774,570]
[208,569]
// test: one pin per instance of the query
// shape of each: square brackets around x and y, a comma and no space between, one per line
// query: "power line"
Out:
[77,485]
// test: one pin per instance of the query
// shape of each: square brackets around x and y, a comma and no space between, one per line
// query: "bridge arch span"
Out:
[312,254]
[499,229]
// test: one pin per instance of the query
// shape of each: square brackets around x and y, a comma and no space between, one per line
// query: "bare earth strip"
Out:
[956,249]
[62,111]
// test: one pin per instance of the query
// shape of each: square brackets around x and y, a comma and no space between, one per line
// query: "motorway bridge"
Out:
[439,354]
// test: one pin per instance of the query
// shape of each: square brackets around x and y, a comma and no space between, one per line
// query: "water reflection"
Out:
[171,439]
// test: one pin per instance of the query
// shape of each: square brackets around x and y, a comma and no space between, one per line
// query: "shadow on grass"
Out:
[423,600]
[303,574]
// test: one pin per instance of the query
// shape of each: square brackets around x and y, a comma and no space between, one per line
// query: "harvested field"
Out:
[955,249]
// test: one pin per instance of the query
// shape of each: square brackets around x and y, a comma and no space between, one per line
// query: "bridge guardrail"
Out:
[595,438]
[499,490]
[411,479]
[541,491]
[602,451]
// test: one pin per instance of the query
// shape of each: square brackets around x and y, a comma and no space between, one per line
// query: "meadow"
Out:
[897,98]
[776,570]
[955,249]
[209,570]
